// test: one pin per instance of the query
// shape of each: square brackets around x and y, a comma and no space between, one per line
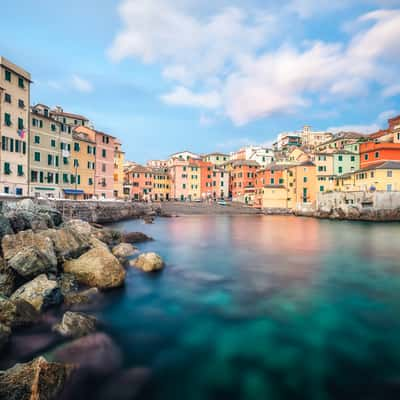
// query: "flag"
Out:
[21,133]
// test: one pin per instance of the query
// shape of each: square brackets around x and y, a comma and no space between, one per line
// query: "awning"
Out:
[44,188]
[73,191]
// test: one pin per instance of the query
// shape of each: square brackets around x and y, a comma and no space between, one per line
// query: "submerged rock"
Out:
[5,333]
[41,292]
[123,251]
[135,237]
[97,268]
[83,297]
[36,380]
[148,262]
[15,313]
[96,353]
[76,325]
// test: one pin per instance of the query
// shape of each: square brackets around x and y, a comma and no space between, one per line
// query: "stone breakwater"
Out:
[50,271]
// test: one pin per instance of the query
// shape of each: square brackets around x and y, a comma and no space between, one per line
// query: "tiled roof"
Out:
[69,115]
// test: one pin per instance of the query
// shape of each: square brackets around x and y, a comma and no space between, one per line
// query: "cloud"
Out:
[385,115]
[184,97]
[229,56]
[81,85]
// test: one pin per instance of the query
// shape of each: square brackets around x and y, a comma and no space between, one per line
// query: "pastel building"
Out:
[83,167]
[216,158]
[105,148]
[161,184]
[14,128]
[119,160]
[179,172]
[46,161]
[376,152]
[194,173]
[139,179]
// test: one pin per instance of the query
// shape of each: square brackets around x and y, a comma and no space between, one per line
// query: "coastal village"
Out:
[59,154]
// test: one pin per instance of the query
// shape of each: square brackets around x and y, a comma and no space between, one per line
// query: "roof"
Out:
[216,154]
[140,168]
[343,135]
[250,163]
[274,187]
[82,136]
[381,165]
[69,115]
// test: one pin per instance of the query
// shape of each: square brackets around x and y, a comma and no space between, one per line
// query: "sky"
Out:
[172,75]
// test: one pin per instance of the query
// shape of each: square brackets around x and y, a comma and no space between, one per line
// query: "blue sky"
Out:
[166,75]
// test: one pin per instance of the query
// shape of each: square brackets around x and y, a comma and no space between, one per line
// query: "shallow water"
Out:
[253,307]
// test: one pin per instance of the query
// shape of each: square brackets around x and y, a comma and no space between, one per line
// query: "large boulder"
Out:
[35,380]
[67,242]
[67,283]
[76,325]
[5,333]
[5,226]
[97,268]
[135,237]
[148,262]
[96,353]
[8,279]
[29,253]
[124,250]
[15,313]
[79,226]
[41,293]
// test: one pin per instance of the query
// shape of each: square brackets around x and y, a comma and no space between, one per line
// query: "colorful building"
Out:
[382,176]
[161,184]
[14,128]
[45,154]
[139,179]
[376,152]
[345,161]
[216,158]
[119,160]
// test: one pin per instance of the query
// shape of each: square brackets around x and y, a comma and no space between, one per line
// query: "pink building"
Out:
[104,176]
[180,184]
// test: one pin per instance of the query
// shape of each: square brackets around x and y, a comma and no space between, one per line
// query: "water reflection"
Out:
[264,307]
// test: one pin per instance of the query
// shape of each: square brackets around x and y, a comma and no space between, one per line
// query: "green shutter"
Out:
[7,169]
[20,170]
[37,139]
[65,178]
[37,156]
[41,177]
[57,161]
[49,159]
[8,75]
[24,147]
[57,179]
[20,123]
[21,82]
[11,144]
[7,119]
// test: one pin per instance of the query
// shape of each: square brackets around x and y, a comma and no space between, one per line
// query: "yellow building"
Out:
[275,196]
[83,166]
[302,184]
[161,184]
[194,175]
[119,161]
[384,176]
[14,128]
[325,171]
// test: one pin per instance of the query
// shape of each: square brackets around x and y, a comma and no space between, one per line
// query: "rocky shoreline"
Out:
[51,270]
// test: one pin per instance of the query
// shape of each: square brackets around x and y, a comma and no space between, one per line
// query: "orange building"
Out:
[206,179]
[372,152]
[140,181]
[243,178]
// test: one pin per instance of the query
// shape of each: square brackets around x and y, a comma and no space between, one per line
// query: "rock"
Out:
[41,292]
[29,253]
[148,219]
[123,251]
[8,279]
[97,268]
[67,283]
[83,297]
[16,313]
[36,380]
[96,353]
[82,227]
[31,262]
[126,385]
[5,333]
[108,236]
[76,325]
[135,237]
[5,226]
[67,242]
[148,262]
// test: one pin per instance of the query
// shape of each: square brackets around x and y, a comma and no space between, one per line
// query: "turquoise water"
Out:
[253,307]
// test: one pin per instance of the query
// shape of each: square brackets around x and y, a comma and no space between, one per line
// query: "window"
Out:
[18,191]
[7,75]
[365,157]
[352,158]
[90,181]
[49,159]
[103,153]
[37,139]
[34,176]
[21,82]
[34,122]
[76,146]
[41,176]
[340,170]
[37,156]
[65,160]
[389,174]
[76,163]
[21,103]
[340,158]
[57,161]
[281,181]
[305,179]
[20,123]
[7,98]
[24,147]
[389,188]
[53,143]
[103,167]
[321,188]
[7,119]
[7,169]
[65,178]
[53,127]
[20,170]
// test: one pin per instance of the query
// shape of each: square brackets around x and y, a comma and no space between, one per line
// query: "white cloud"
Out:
[80,84]
[385,115]
[238,70]
[184,97]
